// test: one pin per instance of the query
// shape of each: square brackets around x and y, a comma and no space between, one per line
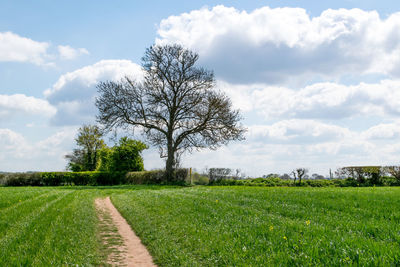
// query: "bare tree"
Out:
[299,173]
[393,171]
[175,105]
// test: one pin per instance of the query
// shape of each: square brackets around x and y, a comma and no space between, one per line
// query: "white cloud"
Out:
[69,53]
[11,105]
[17,153]
[276,45]
[11,143]
[20,49]
[298,132]
[318,101]
[15,48]
[74,93]
[384,131]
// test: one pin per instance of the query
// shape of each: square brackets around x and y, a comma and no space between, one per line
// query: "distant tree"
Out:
[362,174]
[76,160]
[317,176]
[216,174]
[175,105]
[89,141]
[394,171]
[299,173]
[271,175]
[285,176]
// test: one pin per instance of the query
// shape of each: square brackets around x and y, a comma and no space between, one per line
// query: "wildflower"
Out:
[284,237]
[216,201]
[271,228]
[308,222]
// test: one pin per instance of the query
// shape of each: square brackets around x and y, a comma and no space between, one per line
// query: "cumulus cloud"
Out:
[20,154]
[20,49]
[297,131]
[69,53]
[318,101]
[12,143]
[384,131]
[276,45]
[74,93]
[11,105]
[15,48]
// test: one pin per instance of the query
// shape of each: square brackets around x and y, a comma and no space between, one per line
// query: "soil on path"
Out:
[124,247]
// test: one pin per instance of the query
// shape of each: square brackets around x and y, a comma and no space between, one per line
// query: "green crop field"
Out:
[206,226]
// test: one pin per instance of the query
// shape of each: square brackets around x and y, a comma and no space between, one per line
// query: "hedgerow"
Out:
[90,178]
[349,182]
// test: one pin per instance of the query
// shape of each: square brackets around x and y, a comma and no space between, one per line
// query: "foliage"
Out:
[175,105]
[126,156]
[362,174]
[299,173]
[89,141]
[64,178]
[105,159]
[93,178]
[393,171]
[198,179]
[218,174]
[255,226]
[157,177]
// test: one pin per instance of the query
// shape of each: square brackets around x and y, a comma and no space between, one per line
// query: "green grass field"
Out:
[206,226]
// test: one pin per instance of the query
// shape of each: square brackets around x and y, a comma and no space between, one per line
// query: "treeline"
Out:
[352,176]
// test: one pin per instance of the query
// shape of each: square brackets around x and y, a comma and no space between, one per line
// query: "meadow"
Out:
[206,226]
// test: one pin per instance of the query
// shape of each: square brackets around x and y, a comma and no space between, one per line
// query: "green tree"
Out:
[126,155]
[89,141]
[105,159]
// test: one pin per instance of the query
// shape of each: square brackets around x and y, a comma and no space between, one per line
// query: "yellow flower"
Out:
[284,237]
[216,201]
[271,228]
[308,222]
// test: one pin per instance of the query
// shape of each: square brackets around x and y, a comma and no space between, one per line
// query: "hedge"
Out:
[91,178]
[349,182]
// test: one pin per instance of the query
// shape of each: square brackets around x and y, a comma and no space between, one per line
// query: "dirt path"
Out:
[124,247]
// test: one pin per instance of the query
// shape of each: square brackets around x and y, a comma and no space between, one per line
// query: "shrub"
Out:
[199,179]
[2,177]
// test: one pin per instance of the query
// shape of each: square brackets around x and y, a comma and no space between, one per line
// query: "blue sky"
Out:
[317,81]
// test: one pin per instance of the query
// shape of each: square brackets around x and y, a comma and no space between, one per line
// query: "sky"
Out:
[317,82]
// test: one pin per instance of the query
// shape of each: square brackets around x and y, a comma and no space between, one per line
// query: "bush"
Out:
[199,179]
[2,177]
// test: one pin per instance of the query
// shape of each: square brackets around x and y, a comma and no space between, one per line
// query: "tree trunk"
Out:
[169,168]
